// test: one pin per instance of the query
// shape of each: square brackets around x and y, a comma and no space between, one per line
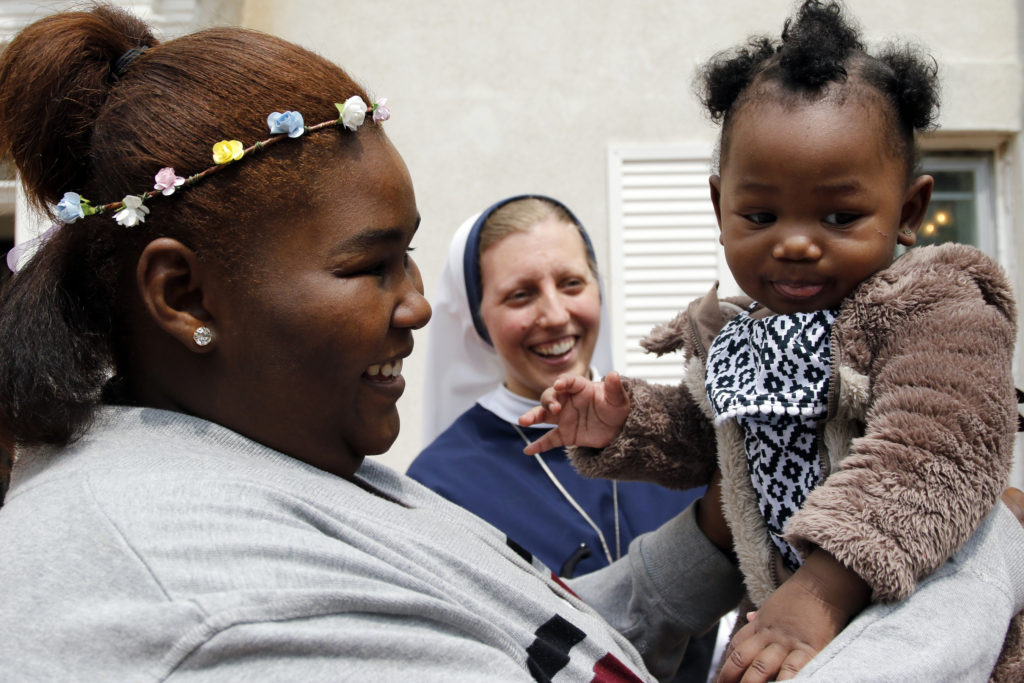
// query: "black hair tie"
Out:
[125,60]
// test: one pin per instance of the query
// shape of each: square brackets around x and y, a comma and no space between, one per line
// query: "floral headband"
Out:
[132,210]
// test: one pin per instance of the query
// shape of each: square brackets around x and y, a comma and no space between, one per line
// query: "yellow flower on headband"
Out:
[227,150]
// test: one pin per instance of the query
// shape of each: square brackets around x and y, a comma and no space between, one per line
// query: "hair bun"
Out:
[816,43]
[54,78]
[915,86]
[728,73]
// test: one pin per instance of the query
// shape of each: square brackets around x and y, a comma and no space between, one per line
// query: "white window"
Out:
[664,248]
[962,207]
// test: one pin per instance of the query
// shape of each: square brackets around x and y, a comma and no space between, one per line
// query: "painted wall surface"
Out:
[493,97]
[497,97]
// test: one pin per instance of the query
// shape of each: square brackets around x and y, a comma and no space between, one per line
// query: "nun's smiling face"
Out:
[541,305]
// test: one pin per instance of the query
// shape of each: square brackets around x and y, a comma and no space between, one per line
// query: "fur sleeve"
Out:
[937,342]
[666,440]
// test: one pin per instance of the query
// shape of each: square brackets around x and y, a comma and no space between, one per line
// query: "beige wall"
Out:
[492,97]
[496,97]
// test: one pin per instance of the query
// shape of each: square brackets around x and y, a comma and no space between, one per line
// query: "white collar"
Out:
[509,406]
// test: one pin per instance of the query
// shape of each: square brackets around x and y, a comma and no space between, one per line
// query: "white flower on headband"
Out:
[69,209]
[133,213]
[352,112]
[166,181]
[380,112]
[289,122]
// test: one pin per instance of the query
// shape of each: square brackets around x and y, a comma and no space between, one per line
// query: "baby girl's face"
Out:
[811,201]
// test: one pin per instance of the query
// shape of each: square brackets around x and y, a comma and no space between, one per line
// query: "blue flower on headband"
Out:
[289,122]
[69,209]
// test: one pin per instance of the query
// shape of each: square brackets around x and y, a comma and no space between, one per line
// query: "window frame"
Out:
[980,163]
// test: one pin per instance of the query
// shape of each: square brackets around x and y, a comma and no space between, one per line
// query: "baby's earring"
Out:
[907,231]
[202,336]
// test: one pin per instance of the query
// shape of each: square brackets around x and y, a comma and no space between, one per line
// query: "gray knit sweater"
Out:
[161,546]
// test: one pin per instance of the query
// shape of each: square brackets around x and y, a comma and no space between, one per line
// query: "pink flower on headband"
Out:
[132,213]
[380,112]
[352,112]
[227,150]
[289,122]
[166,181]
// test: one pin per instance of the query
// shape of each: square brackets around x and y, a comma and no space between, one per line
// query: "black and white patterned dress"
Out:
[771,376]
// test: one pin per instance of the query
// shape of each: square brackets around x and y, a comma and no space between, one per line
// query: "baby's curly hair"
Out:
[820,53]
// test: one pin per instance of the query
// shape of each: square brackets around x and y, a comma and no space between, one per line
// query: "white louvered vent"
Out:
[664,247]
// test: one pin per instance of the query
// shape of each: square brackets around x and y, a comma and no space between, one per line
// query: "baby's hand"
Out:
[795,622]
[586,413]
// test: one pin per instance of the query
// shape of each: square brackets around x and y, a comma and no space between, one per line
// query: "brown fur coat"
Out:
[917,444]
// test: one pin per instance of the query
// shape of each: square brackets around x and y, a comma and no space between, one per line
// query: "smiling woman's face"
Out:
[541,305]
[312,348]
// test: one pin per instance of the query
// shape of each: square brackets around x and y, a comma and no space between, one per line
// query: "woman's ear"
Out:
[170,279]
[915,207]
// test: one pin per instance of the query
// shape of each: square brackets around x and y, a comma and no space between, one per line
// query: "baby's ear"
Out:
[915,207]
[715,182]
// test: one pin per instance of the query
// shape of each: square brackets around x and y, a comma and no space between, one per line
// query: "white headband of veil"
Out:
[462,365]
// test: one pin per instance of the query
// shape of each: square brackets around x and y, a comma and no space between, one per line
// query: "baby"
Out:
[862,407]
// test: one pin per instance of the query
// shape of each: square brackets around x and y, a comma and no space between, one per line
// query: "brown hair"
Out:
[71,124]
[519,215]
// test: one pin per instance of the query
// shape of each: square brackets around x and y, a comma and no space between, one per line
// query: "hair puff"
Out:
[816,44]
[913,85]
[820,46]
[721,80]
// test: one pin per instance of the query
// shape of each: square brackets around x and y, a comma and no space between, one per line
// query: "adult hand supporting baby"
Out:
[585,413]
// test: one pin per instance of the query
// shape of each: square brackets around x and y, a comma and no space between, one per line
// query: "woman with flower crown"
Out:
[197,361]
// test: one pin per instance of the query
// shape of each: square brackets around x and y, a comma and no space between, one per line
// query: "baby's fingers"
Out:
[745,645]
[551,400]
[1014,499]
[614,392]
[791,666]
[765,665]
[534,416]
[551,439]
